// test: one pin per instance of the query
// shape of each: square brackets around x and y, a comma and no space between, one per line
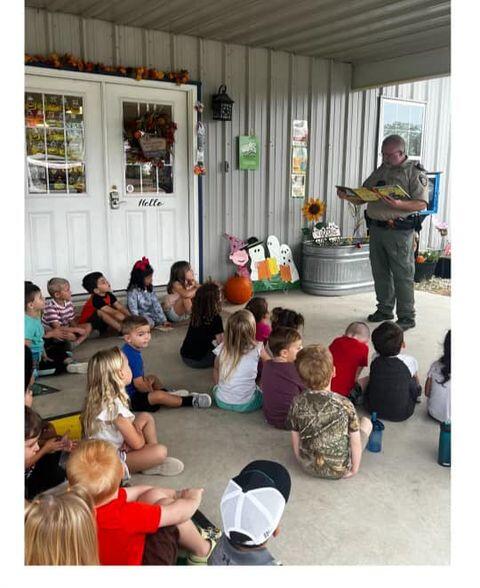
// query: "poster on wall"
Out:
[300,132]
[299,158]
[248,152]
[298,185]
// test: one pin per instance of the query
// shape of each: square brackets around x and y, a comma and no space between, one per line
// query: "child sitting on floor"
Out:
[205,330]
[259,308]
[350,356]
[327,437]
[102,310]
[42,455]
[280,381]
[147,392]
[437,385]
[60,530]
[393,386]
[236,365]
[252,507]
[51,357]
[285,317]
[29,379]
[138,525]
[141,297]
[59,312]
[181,290]
[106,415]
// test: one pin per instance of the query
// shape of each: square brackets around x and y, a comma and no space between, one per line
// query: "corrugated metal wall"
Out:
[270,88]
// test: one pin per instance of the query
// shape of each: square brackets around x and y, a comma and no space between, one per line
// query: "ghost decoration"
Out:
[257,257]
[274,255]
[288,269]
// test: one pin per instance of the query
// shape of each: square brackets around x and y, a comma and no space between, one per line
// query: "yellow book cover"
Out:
[372,194]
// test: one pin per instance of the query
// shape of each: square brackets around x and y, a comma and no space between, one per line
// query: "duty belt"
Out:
[396,224]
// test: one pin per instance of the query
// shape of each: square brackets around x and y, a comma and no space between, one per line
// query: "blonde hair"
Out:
[104,385]
[315,366]
[60,530]
[238,339]
[55,285]
[96,466]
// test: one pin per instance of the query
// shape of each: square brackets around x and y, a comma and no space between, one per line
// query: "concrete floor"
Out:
[395,511]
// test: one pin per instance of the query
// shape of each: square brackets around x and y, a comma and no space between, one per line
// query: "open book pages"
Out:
[372,194]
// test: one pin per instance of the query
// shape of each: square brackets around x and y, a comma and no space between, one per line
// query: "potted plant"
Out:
[333,265]
[425,264]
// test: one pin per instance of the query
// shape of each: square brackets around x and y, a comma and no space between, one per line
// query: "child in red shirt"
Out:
[350,356]
[102,310]
[138,525]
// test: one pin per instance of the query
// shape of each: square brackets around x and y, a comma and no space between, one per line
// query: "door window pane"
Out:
[148,130]
[55,143]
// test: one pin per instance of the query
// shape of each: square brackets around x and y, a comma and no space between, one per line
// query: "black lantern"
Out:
[222,104]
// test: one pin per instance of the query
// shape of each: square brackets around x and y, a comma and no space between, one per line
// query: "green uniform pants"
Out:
[393,267]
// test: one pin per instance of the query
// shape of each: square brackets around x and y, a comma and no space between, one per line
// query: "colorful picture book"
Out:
[373,194]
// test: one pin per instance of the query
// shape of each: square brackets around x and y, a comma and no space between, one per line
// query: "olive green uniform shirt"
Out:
[410,175]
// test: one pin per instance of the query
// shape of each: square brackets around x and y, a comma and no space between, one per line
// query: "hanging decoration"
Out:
[201,131]
[68,61]
[150,138]
[299,158]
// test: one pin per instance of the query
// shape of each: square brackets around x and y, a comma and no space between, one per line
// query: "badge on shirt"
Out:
[423,179]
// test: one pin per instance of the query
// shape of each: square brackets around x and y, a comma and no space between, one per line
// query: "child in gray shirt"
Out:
[246,527]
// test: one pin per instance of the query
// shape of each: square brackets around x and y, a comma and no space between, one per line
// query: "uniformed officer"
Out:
[391,225]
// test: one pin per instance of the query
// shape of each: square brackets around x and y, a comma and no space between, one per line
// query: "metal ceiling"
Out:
[354,31]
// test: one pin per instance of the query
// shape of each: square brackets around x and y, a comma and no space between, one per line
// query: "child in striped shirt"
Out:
[59,312]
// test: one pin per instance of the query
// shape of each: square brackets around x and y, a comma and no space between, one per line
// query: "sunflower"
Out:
[313,210]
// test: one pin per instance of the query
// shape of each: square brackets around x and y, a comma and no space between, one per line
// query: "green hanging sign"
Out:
[248,152]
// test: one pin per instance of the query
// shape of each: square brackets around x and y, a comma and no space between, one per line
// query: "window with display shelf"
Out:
[55,143]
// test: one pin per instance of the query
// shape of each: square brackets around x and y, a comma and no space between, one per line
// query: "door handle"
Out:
[114,198]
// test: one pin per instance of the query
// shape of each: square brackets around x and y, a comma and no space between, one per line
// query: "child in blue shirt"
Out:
[141,297]
[147,393]
[52,358]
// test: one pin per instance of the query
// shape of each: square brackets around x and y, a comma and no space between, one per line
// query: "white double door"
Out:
[73,224]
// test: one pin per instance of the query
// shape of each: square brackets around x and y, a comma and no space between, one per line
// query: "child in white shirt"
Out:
[236,364]
[437,385]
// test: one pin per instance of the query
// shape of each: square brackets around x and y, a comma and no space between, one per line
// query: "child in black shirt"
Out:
[206,328]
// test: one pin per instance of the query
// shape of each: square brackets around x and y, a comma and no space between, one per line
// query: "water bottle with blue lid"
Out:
[375,439]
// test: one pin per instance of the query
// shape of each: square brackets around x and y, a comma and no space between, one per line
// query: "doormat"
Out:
[42,389]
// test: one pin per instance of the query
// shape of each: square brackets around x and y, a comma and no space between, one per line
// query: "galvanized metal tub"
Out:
[335,271]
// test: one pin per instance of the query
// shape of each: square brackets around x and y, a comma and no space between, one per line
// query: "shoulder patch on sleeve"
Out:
[422,178]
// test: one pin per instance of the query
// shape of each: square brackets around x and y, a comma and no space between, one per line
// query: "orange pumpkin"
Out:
[238,289]
[420,259]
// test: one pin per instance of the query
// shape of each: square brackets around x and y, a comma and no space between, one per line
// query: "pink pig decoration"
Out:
[235,244]
[240,259]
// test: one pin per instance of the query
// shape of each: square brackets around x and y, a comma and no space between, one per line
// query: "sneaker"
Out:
[201,400]
[77,367]
[178,392]
[170,467]
[406,324]
[378,317]
[197,560]
[163,328]
[205,527]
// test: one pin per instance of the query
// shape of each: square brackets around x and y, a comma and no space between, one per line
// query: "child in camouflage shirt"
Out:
[327,437]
